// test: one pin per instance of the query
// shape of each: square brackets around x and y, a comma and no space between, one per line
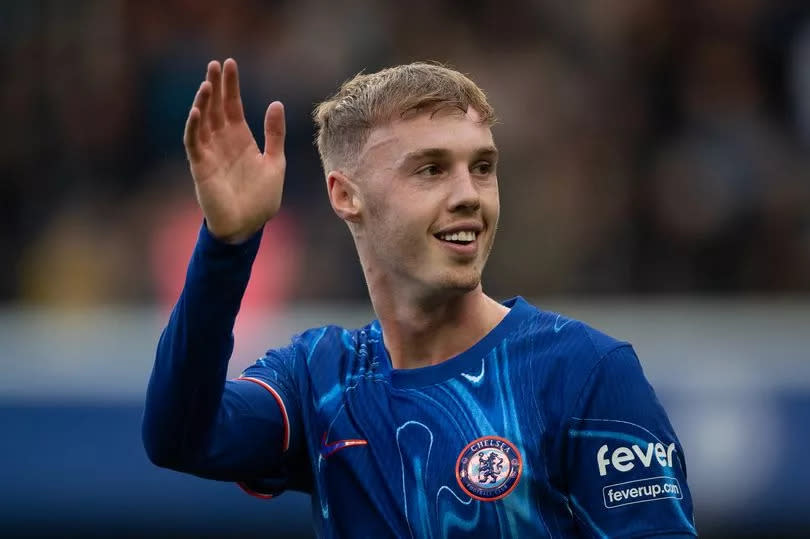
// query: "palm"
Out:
[238,187]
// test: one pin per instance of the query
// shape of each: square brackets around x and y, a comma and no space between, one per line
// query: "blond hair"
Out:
[345,120]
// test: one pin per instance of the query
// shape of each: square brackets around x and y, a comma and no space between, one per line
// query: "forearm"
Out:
[185,389]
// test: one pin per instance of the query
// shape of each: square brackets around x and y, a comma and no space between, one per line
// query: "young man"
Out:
[451,415]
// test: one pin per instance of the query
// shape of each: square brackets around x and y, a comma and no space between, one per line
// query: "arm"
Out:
[625,468]
[194,420]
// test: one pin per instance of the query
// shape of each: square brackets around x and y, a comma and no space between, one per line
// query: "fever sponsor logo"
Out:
[641,490]
[489,468]
[624,459]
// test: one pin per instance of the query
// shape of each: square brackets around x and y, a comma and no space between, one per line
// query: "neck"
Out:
[423,332]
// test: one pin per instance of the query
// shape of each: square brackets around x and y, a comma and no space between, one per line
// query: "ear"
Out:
[344,196]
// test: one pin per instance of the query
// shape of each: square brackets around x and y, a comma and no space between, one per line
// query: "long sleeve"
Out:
[194,421]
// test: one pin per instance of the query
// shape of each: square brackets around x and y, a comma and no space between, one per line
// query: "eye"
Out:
[429,170]
[483,168]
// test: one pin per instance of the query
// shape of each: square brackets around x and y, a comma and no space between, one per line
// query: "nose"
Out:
[464,192]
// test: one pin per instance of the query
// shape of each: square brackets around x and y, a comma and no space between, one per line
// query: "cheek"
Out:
[387,226]
[491,205]
[399,236]
[398,221]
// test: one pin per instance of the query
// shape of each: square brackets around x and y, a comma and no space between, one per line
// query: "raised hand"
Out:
[238,187]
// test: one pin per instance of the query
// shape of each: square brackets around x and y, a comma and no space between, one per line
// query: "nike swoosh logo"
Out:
[327,450]
[475,378]
[560,323]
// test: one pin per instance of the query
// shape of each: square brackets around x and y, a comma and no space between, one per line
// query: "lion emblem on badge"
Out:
[489,467]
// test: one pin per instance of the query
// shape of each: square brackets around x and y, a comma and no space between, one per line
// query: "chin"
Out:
[461,283]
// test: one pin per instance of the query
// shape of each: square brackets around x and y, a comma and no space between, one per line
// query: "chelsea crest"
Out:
[489,468]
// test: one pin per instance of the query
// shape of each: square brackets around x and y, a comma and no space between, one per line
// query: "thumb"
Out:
[274,129]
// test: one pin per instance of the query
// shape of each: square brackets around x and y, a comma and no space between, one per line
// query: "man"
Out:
[451,415]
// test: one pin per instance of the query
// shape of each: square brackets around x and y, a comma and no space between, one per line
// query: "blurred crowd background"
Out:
[655,182]
[649,146]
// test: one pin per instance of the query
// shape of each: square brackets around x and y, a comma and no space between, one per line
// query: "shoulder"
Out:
[319,355]
[562,353]
[329,336]
[330,342]
[567,338]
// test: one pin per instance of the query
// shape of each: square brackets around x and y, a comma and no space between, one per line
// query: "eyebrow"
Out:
[490,152]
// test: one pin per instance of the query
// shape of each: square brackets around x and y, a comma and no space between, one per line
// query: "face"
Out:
[430,205]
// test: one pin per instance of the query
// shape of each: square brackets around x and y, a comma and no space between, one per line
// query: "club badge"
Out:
[489,468]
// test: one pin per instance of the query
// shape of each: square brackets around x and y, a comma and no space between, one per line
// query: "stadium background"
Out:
[655,182]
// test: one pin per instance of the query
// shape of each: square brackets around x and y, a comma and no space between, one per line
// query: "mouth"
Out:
[460,237]
[463,242]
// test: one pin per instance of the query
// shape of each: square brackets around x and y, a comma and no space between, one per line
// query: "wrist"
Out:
[221,243]
[234,239]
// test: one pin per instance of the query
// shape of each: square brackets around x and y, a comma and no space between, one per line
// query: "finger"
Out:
[191,135]
[204,105]
[231,100]
[274,129]
[214,76]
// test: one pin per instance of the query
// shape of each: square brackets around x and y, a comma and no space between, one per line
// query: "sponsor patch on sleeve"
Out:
[625,463]
[641,490]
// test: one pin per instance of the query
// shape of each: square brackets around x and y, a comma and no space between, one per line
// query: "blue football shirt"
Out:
[544,428]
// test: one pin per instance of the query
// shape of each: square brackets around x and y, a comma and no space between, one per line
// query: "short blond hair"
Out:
[345,120]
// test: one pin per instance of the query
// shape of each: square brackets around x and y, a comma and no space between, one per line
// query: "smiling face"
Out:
[429,204]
